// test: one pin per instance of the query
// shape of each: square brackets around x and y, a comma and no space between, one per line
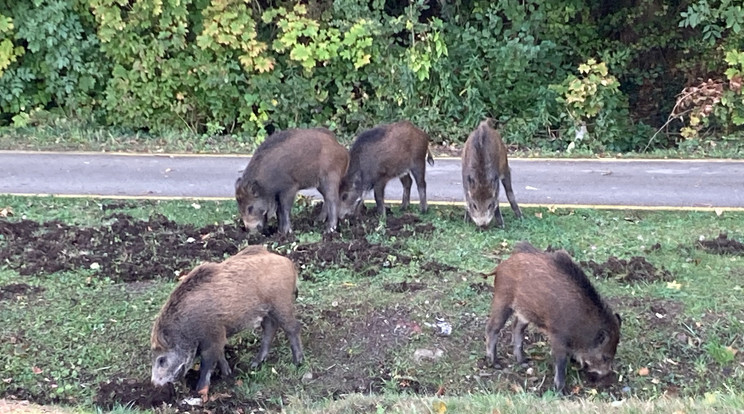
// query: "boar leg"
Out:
[291,327]
[506,180]
[210,356]
[560,357]
[419,174]
[518,337]
[407,182]
[268,327]
[380,196]
[329,190]
[497,216]
[500,313]
[285,199]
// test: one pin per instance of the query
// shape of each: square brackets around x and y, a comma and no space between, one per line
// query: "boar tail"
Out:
[429,157]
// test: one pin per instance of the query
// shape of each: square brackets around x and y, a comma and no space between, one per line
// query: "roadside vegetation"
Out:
[569,76]
[82,279]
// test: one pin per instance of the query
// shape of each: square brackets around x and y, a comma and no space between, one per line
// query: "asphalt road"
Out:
[608,183]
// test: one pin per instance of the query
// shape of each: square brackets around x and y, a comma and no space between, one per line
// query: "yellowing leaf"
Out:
[439,407]
[674,285]
[710,398]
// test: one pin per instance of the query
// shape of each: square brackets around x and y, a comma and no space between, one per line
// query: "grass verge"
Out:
[79,337]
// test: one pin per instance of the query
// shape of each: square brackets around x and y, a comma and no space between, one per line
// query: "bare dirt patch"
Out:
[637,269]
[134,251]
[722,245]
[17,289]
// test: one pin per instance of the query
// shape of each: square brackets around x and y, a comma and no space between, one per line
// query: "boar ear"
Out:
[619,319]
[602,337]
[237,183]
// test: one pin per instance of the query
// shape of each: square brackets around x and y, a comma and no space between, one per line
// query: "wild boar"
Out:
[289,161]
[484,163]
[551,291]
[217,300]
[381,154]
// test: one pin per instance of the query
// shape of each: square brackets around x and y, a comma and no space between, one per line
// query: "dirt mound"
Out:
[437,268]
[360,255]
[127,249]
[123,248]
[17,289]
[135,393]
[722,245]
[404,287]
[637,269]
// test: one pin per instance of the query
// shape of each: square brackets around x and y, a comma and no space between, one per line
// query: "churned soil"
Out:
[133,251]
[349,348]
[635,269]
[722,245]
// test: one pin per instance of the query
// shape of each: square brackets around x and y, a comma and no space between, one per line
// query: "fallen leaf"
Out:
[732,350]
[6,212]
[7,380]
[441,390]
[643,371]
[538,215]
[531,188]
[36,370]
[439,407]
[552,208]
[718,211]
[196,206]
[674,285]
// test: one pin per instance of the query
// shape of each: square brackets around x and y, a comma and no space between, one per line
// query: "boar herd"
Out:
[258,288]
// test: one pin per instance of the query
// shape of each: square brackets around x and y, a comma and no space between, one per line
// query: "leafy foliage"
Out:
[247,68]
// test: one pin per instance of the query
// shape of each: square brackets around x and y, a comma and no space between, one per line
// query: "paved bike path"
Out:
[608,183]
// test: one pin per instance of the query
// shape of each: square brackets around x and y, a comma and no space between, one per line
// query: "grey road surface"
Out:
[660,183]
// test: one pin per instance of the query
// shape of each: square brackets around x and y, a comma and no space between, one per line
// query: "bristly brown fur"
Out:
[567,266]
[197,277]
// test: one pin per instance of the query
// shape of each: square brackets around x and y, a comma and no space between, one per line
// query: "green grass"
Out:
[81,327]
[64,134]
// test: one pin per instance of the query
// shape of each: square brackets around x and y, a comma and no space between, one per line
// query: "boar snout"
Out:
[253,225]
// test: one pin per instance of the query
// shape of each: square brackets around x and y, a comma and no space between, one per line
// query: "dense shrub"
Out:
[600,75]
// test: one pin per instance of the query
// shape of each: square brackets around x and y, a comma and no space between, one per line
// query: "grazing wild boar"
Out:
[381,154]
[217,300]
[289,161]
[552,292]
[483,165]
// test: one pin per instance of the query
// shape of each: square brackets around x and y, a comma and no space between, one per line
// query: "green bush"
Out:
[247,68]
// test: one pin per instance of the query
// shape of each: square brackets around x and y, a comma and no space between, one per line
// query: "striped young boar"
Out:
[289,161]
[484,163]
[552,292]
[216,300]
[381,154]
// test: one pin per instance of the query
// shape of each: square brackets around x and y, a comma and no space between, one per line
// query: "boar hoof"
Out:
[204,393]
